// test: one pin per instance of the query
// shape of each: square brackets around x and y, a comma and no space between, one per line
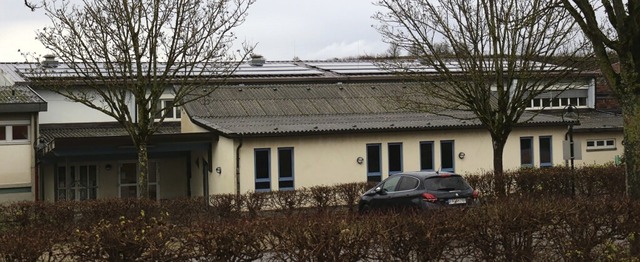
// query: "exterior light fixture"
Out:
[461,155]
[107,167]
[219,170]
[359,160]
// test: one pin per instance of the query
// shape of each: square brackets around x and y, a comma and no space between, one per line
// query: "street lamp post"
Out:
[570,112]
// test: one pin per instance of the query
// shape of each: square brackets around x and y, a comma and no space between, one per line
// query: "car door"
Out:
[406,194]
[384,197]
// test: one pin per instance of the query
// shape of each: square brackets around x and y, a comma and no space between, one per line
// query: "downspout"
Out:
[36,166]
[238,167]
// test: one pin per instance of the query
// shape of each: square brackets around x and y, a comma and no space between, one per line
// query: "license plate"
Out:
[457,201]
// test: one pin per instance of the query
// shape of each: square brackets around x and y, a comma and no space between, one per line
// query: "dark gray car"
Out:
[419,190]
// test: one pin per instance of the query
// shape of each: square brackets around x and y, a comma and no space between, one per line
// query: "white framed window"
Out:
[170,112]
[601,144]
[77,182]
[129,180]
[16,132]
[557,103]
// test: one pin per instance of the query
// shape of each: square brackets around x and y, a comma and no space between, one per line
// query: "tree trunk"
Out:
[498,169]
[631,114]
[143,173]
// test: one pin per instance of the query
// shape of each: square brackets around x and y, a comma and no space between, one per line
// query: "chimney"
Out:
[50,61]
[257,60]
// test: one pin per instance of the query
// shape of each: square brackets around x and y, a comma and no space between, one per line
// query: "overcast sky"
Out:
[282,29]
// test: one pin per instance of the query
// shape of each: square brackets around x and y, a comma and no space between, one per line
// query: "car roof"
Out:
[427,174]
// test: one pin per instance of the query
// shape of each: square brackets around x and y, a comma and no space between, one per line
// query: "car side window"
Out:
[408,183]
[391,183]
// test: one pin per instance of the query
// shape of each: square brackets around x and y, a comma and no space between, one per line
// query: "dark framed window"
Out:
[395,158]
[262,169]
[408,183]
[446,156]
[545,151]
[426,155]
[285,168]
[526,151]
[374,165]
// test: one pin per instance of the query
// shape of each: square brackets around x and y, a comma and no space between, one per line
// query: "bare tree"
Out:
[125,54]
[491,57]
[619,32]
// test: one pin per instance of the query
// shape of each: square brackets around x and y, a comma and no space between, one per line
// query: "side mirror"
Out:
[380,191]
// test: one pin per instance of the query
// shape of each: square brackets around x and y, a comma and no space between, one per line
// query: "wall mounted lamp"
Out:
[461,155]
[219,170]
[360,160]
[107,167]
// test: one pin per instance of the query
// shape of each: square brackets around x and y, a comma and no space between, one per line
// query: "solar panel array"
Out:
[244,70]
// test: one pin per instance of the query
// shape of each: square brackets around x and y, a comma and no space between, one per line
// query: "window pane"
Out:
[391,183]
[537,102]
[373,159]
[408,183]
[395,158]
[591,143]
[285,162]
[263,185]
[545,151]
[153,172]
[285,184]
[20,132]
[153,192]
[128,191]
[178,112]
[526,147]
[3,133]
[426,156]
[262,163]
[610,142]
[62,177]
[446,154]
[168,109]
[128,173]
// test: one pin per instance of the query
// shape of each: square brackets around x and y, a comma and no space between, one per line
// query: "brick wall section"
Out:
[605,98]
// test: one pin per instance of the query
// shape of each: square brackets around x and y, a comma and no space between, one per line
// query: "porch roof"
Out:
[110,140]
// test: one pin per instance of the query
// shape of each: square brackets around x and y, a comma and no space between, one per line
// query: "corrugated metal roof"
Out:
[85,130]
[314,108]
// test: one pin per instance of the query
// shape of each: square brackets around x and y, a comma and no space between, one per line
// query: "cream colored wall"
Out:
[186,126]
[599,156]
[224,157]
[331,159]
[15,163]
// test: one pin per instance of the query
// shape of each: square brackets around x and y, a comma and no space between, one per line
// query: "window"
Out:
[601,144]
[526,151]
[374,168]
[408,183]
[285,168]
[391,183]
[446,156]
[170,111]
[262,169]
[129,180]
[545,152]
[395,158]
[76,182]
[559,100]
[426,156]
[17,132]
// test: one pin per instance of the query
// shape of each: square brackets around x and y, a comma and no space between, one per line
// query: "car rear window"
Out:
[446,183]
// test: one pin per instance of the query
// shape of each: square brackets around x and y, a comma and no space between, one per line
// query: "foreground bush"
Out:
[541,219]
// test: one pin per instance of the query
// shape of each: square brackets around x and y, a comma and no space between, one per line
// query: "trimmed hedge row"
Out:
[535,222]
